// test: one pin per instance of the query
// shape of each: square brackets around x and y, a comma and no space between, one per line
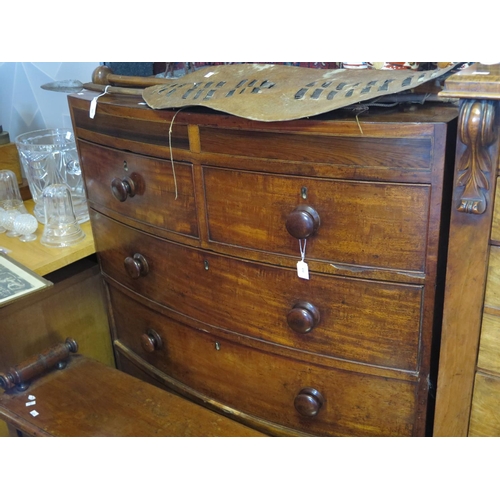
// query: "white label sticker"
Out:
[302,270]
[34,413]
[31,397]
[31,403]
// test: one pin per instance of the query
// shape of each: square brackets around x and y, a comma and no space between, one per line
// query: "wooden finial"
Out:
[100,75]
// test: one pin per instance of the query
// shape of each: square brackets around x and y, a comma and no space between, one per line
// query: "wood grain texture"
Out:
[41,259]
[377,184]
[489,347]
[404,153]
[495,223]
[73,306]
[132,363]
[492,294]
[472,266]
[485,410]
[367,321]
[477,132]
[465,283]
[154,202]
[367,224]
[260,383]
[89,399]
[479,81]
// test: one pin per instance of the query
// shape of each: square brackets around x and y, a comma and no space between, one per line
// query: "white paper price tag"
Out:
[93,102]
[93,106]
[302,270]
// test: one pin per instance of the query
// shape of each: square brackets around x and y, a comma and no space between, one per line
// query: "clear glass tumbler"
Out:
[49,157]
[61,227]
[11,202]
[10,196]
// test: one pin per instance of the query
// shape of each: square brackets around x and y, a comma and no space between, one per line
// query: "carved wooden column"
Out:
[471,216]
[476,131]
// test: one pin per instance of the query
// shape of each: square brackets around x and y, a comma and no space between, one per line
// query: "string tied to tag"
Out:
[170,149]
[302,267]
[302,249]
[93,103]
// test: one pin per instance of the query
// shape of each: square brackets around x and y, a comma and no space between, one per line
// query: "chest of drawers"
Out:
[199,232]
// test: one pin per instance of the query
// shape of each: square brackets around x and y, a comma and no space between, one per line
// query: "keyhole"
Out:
[217,346]
[125,166]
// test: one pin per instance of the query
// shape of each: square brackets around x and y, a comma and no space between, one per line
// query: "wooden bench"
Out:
[85,398]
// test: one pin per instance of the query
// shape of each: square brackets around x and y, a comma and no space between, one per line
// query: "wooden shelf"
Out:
[41,259]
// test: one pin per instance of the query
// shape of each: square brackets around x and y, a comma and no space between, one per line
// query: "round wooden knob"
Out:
[136,266]
[100,75]
[303,317]
[123,188]
[151,341]
[302,222]
[308,402]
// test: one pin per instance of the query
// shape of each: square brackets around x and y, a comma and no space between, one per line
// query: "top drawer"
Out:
[152,200]
[410,153]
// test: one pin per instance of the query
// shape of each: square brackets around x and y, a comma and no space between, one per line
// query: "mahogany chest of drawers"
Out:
[200,219]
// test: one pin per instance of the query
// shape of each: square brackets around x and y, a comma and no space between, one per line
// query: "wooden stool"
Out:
[86,398]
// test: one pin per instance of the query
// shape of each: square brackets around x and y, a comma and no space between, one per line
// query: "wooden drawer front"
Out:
[492,294]
[133,128]
[369,224]
[404,153]
[363,320]
[266,385]
[154,202]
[495,223]
[485,410]
[489,347]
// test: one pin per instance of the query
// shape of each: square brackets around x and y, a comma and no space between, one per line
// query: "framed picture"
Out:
[17,280]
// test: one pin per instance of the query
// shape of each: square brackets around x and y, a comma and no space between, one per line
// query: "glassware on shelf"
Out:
[49,156]
[26,225]
[11,202]
[7,221]
[10,196]
[61,226]
[2,227]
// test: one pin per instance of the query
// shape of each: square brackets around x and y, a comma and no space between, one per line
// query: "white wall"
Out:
[24,106]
